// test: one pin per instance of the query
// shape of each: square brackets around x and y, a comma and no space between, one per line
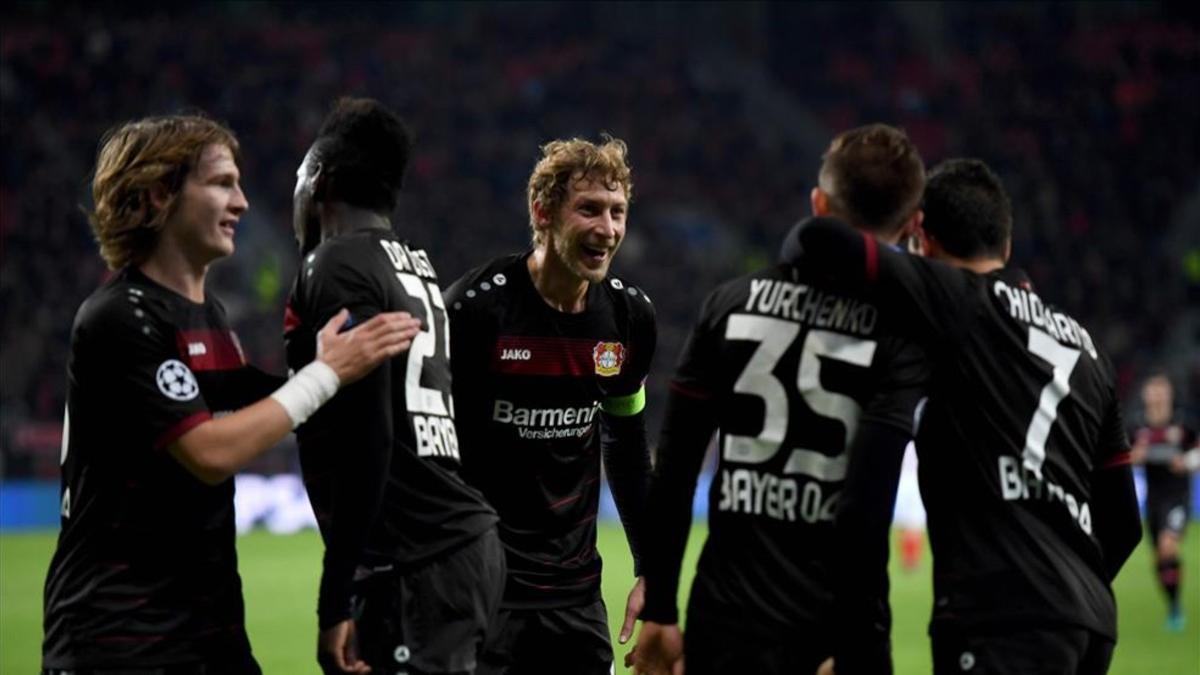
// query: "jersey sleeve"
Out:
[626,395]
[698,370]
[623,444]
[901,386]
[1113,443]
[927,297]
[688,425]
[139,357]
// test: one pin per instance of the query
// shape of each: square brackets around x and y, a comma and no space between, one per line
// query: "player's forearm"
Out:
[1116,520]
[862,616]
[686,431]
[217,449]
[627,463]
[834,249]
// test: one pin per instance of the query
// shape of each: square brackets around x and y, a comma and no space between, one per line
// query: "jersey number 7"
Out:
[1063,360]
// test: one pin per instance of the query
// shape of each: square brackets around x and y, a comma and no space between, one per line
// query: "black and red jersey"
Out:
[1163,445]
[786,368]
[145,572]
[533,386]
[1022,414]
[381,460]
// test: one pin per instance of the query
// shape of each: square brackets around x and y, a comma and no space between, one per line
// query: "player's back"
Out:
[425,506]
[793,367]
[1022,410]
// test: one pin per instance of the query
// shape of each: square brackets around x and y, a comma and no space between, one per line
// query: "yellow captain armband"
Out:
[625,406]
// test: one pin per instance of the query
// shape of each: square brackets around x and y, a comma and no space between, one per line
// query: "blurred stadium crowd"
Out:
[1090,113]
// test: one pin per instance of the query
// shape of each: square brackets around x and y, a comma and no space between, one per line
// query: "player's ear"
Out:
[819,201]
[914,234]
[1007,250]
[159,196]
[541,218]
[317,181]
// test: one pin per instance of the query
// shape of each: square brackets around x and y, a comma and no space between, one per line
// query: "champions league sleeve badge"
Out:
[608,357]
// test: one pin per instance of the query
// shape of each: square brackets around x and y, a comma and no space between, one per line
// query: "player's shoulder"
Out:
[125,306]
[630,297]
[485,286]
[343,251]
[739,291]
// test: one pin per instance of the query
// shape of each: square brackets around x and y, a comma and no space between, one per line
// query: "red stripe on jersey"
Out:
[1119,459]
[872,253]
[291,320]
[182,427]
[210,349]
[555,356]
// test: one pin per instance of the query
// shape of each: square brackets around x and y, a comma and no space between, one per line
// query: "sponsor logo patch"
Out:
[608,357]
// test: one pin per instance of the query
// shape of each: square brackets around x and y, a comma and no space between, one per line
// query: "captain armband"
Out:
[307,391]
[625,406]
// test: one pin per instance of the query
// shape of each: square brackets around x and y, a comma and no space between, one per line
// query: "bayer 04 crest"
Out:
[608,356]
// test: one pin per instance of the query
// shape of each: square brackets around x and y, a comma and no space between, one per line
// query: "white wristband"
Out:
[307,391]
[1191,460]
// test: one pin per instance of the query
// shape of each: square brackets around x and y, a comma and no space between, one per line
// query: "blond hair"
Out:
[135,157]
[564,163]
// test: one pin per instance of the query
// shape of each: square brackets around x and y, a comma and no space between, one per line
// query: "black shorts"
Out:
[559,641]
[1019,650]
[433,619]
[713,649]
[1167,513]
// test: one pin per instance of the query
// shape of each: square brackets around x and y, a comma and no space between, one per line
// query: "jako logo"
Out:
[516,355]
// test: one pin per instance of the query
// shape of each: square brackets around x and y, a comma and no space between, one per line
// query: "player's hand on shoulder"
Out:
[355,352]
[658,651]
[337,650]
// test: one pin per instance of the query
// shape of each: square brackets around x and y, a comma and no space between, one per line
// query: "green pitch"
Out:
[280,577]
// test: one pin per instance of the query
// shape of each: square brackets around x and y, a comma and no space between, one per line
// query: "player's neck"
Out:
[339,218]
[976,265]
[169,266]
[559,287]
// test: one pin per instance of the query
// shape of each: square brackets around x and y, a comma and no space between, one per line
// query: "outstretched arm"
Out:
[215,449]
[862,617]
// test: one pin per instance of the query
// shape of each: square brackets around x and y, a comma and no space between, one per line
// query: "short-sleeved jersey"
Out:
[1022,410]
[382,458]
[1164,443]
[793,368]
[145,572]
[529,382]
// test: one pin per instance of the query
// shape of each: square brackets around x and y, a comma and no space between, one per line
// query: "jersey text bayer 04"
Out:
[381,460]
[1022,412]
[145,573]
[530,383]
[793,369]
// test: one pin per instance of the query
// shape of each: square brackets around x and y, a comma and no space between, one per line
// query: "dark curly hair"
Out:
[363,148]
